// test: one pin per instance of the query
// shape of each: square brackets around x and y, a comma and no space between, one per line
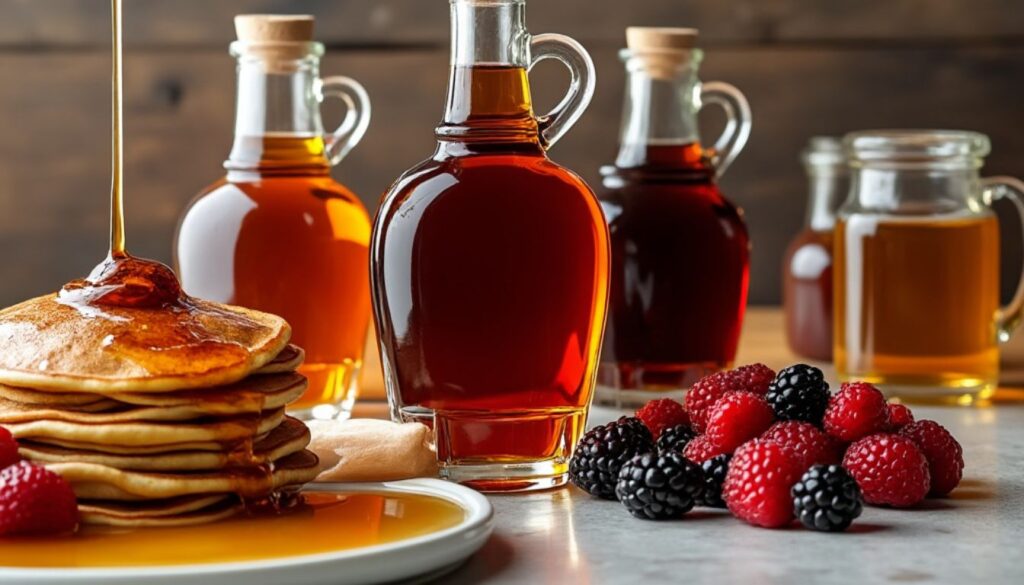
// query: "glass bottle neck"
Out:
[884,189]
[277,116]
[659,120]
[827,187]
[489,97]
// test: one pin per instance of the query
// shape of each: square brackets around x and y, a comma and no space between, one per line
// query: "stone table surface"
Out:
[975,536]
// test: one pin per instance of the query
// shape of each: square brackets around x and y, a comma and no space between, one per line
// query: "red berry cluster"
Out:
[33,499]
[895,460]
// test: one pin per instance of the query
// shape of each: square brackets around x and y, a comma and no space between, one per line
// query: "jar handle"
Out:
[1009,317]
[357,115]
[737,128]
[583,79]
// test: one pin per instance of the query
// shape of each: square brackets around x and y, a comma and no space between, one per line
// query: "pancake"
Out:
[291,437]
[69,400]
[254,394]
[289,360]
[48,345]
[183,511]
[214,446]
[142,433]
[92,481]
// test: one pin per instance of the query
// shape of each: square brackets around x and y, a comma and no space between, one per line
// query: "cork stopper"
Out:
[642,39]
[274,28]
[278,39]
[664,50]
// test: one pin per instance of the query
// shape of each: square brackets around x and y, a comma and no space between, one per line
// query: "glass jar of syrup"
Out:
[489,266]
[680,250]
[277,233]
[807,266]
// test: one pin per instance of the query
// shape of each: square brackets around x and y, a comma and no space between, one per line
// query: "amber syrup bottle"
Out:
[489,266]
[807,265]
[277,233]
[680,251]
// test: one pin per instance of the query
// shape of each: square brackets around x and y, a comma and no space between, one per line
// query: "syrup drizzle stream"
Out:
[117,249]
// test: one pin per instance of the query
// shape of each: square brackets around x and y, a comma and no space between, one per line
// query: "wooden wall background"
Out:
[808,67]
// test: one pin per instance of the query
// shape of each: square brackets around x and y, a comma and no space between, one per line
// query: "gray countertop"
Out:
[976,535]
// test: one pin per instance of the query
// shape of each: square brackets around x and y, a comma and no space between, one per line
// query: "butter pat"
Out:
[371,450]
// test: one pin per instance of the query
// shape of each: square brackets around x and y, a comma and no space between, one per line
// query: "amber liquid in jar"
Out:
[490,268]
[285,238]
[680,268]
[807,294]
[916,304]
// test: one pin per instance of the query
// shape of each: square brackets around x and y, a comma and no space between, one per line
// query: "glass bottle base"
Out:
[332,392]
[631,384]
[503,451]
[939,389]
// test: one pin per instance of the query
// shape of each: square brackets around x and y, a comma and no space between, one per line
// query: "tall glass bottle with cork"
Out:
[489,265]
[680,251]
[807,265]
[277,233]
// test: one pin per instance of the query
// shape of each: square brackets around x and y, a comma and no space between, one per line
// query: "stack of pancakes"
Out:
[155,416]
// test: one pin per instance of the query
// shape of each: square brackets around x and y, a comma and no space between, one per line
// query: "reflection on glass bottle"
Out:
[489,266]
[807,266]
[680,250]
[277,233]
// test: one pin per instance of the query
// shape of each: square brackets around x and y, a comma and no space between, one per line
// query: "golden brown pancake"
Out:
[253,394]
[47,345]
[99,482]
[291,437]
[142,433]
[182,511]
[289,360]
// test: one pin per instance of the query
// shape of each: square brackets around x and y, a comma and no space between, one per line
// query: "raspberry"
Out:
[899,417]
[799,393]
[675,438]
[8,449]
[736,418]
[706,392]
[754,378]
[659,487]
[757,485]
[661,414]
[943,452]
[699,449]
[35,500]
[856,411]
[595,464]
[889,469]
[806,441]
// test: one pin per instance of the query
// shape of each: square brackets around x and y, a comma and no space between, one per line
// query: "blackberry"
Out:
[714,477]
[659,487]
[602,451]
[799,393]
[827,498]
[675,438]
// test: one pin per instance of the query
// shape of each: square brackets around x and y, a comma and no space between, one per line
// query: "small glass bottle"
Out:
[680,250]
[489,265]
[807,266]
[277,233]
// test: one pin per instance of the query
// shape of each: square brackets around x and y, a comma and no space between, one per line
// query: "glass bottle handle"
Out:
[1009,317]
[737,127]
[357,115]
[583,78]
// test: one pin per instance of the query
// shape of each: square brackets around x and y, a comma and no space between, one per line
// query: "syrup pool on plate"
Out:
[326,523]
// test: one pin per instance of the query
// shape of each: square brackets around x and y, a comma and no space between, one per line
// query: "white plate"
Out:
[404,559]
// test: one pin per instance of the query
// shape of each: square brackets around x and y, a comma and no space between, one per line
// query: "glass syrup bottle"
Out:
[807,265]
[680,250]
[277,233]
[489,265]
